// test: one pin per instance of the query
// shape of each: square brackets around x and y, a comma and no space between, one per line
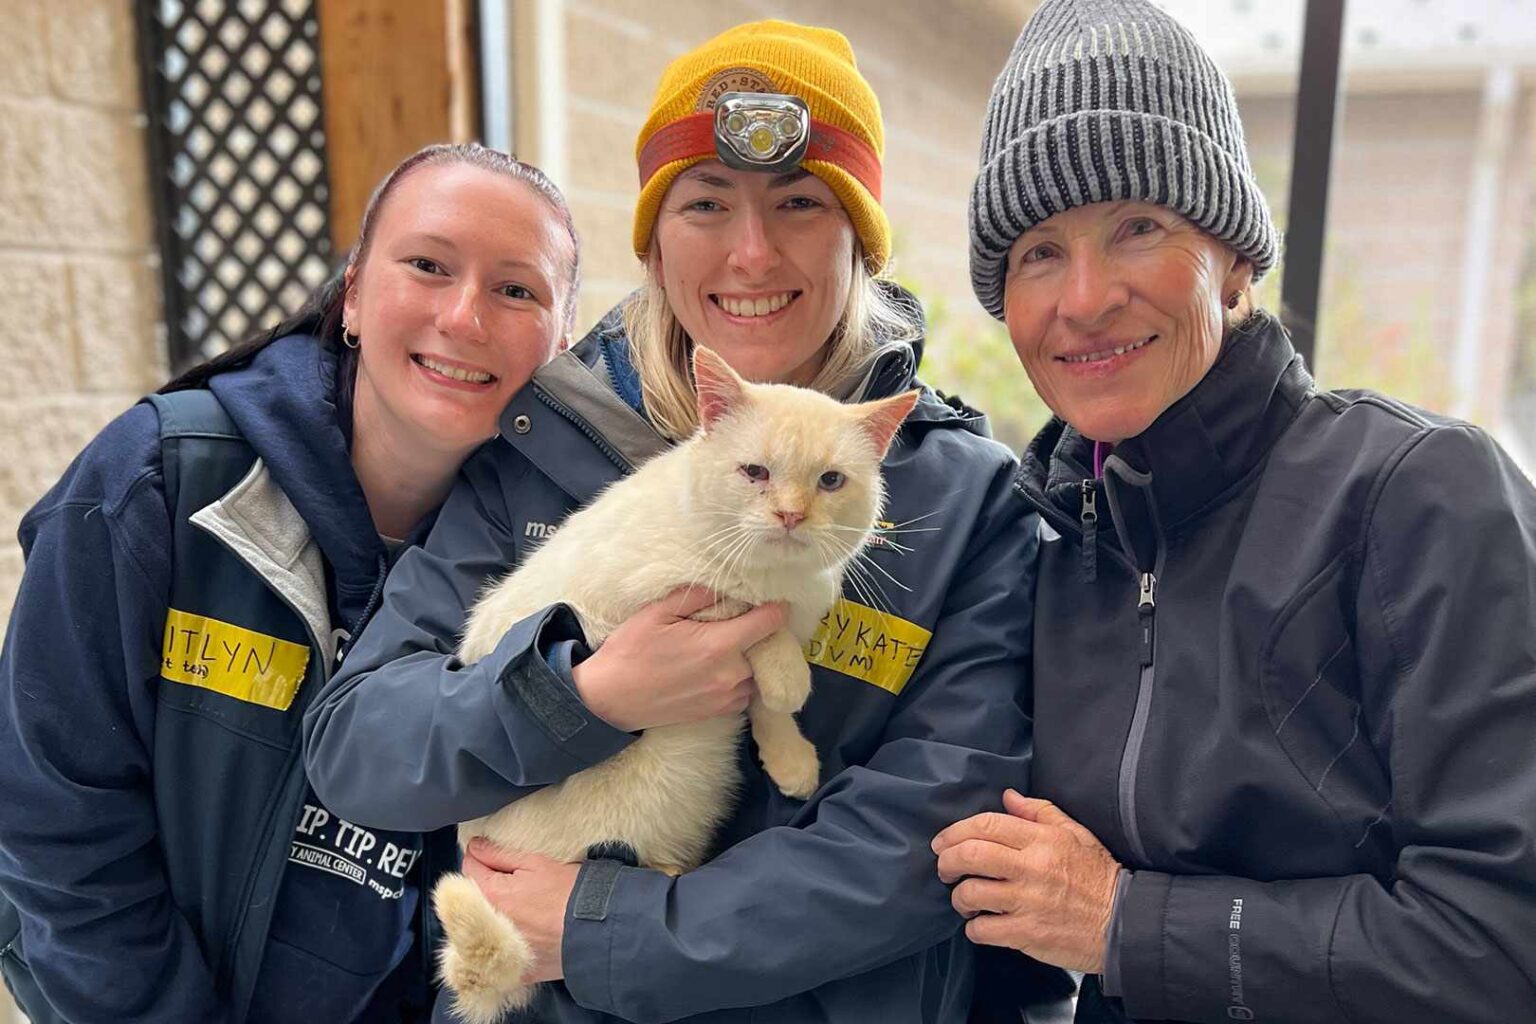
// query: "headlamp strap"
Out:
[694,135]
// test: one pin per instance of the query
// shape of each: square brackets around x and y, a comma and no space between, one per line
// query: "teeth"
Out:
[754,307]
[1120,351]
[472,376]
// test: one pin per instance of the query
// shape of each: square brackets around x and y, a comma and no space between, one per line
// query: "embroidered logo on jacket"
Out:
[871,645]
[232,660]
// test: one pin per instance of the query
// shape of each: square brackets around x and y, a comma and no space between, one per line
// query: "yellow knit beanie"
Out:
[815,64]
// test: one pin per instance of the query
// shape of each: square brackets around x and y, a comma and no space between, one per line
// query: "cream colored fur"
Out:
[689,516]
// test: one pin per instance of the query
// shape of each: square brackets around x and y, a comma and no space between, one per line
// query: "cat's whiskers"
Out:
[858,577]
[720,566]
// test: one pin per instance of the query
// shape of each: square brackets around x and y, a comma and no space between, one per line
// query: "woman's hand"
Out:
[531,891]
[662,668]
[1032,879]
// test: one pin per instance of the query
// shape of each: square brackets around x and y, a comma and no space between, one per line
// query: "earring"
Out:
[347,337]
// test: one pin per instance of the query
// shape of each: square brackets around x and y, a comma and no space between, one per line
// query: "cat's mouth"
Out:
[750,307]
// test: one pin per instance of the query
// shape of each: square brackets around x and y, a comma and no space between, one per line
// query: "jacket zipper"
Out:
[1089,517]
[586,428]
[1146,618]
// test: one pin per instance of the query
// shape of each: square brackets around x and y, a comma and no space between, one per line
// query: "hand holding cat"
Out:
[530,889]
[1031,879]
[660,667]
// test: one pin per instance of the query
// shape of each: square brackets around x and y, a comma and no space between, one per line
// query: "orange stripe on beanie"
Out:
[815,64]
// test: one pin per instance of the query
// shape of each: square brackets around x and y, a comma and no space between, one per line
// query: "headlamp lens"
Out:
[761,131]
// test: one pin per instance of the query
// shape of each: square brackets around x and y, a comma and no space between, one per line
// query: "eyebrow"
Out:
[447,243]
[715,181]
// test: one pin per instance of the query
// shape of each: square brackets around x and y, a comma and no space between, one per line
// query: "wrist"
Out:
[590,681]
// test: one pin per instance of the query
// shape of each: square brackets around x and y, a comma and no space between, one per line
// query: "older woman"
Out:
[1286,666]
[763,246]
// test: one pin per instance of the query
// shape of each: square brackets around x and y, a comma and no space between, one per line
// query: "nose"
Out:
[458,315]
[1092,290]
[789,517]
[754,252]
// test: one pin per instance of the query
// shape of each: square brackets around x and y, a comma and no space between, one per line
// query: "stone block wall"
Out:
[79,289]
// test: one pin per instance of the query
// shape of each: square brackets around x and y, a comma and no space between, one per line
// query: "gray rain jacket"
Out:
[826,910]
[1290,680]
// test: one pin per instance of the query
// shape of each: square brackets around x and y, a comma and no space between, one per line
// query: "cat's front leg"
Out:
[778,665]
[484,957]
[788,757]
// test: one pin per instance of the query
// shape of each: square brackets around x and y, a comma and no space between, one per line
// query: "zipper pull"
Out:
[1146,607]
[1090,521]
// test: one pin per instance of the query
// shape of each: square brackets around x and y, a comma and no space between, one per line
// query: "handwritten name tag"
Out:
[859,641]
[232,660]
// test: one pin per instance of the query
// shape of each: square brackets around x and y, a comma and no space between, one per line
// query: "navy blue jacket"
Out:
[146,824]
[825,910]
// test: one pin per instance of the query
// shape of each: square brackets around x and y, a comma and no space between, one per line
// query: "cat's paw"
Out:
[793,765]
[783,678]
[484,958]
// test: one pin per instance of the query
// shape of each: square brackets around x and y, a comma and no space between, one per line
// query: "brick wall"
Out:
[78,289]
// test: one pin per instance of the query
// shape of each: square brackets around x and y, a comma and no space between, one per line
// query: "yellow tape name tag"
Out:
[232,660]
[859,641]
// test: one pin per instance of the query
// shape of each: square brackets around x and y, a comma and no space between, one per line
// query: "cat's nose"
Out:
[789,519]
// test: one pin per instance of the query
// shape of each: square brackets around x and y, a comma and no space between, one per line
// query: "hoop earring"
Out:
[347,337]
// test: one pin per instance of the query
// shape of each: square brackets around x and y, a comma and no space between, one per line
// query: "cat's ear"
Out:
[721,392]
[882,419]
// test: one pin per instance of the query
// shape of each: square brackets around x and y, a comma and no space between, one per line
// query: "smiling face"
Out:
[1115,310]
[755,266]
[457,300]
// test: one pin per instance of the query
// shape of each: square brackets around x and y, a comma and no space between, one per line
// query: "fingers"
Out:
[991,826]
[753,625]
[983,896]
[978,858]
[1045,813]
[499,859]
[989,930]
[686,601]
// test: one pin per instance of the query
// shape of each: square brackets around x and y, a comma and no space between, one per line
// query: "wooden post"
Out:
[395,80]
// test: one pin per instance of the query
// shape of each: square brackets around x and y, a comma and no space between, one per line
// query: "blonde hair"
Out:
[661,350]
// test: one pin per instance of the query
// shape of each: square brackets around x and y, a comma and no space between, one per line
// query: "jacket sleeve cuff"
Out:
[592,944]
[1140,912]
[1109,981]
[537,655]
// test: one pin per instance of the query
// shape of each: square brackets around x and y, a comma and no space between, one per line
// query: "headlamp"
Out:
[761,131]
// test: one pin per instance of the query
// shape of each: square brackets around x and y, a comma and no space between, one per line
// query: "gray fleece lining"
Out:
[257,522]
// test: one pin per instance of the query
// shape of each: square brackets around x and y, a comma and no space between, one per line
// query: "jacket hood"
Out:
[284,402]
[1202,444]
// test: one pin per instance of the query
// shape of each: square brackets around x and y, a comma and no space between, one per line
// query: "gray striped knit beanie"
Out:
[1105,100]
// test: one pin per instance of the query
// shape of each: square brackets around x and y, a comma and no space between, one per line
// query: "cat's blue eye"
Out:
[831,480]
[757,474]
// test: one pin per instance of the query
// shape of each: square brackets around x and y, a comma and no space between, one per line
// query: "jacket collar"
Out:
[257,522]
[1200,446]
[284,402]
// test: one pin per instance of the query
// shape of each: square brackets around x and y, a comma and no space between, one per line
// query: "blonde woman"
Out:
[766,248]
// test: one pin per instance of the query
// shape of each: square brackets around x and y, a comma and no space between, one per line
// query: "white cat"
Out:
[769,501]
